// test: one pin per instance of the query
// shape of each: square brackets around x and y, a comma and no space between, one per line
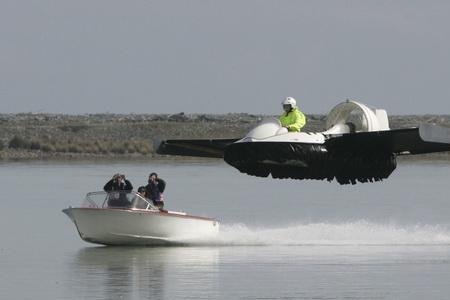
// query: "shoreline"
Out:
[60,137]
[443,157]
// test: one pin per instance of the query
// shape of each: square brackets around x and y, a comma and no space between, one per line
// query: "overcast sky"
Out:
[165,56]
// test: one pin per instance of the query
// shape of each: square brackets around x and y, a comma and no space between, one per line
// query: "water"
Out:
[280,239]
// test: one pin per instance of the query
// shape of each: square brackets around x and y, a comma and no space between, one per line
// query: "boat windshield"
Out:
[119,199]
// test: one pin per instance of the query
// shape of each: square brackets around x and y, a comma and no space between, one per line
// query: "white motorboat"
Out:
[127,218]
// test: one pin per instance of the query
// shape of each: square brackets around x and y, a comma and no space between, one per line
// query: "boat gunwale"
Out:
[140,211]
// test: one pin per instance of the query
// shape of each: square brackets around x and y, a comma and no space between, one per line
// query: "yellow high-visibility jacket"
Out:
[293,120]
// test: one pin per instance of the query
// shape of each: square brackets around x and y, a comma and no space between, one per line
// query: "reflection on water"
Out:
[255,272]
[111,270]
[143,273]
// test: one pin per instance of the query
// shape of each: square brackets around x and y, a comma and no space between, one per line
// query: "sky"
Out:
[198,56]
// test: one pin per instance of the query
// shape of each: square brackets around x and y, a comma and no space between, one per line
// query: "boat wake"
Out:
[346,233]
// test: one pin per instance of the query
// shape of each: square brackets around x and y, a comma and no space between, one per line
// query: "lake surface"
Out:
[280,239]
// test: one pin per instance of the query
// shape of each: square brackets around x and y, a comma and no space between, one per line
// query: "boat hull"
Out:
[140,227]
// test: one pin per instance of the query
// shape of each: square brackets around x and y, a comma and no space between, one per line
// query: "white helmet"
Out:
[289,101]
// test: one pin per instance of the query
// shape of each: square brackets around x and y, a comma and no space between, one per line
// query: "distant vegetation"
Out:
[78,145]
[46,136]
[73,128]
[37,136]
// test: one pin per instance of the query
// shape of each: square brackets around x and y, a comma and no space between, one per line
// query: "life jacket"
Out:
[294,120]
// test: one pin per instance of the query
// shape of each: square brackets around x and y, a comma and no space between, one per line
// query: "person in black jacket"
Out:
[118,184]
[154,189]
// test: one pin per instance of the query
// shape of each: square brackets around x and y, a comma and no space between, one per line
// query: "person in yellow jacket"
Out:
[292,119]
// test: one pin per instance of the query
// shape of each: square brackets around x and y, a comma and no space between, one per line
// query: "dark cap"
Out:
[151,174]
[141,189]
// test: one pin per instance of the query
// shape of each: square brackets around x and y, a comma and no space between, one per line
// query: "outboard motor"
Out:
[352,116]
